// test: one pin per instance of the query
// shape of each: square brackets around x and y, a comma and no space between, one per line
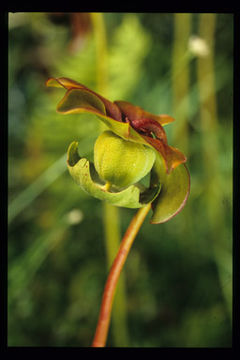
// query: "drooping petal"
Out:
[80,100]
[112,109]
[175,188]
[172,157]
[136,112]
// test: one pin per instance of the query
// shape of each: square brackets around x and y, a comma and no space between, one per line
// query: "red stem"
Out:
[115,271]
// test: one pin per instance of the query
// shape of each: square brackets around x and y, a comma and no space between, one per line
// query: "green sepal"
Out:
[175,188]
[85,175]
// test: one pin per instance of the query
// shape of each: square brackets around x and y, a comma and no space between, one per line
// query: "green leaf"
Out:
[85,175]
[175,188]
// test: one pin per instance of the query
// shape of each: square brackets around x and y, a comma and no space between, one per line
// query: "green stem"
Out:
[27,196]
[101,51]
[181,98]
[208,105]
[180,79]
[110,287]
[210,151]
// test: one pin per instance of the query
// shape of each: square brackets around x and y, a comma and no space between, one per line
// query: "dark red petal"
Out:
[133,112]
[172,157]
[112,109]
[150,126]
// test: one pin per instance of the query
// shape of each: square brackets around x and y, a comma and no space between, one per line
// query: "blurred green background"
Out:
[176,289]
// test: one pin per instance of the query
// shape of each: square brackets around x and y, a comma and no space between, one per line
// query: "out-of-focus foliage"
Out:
[178,274]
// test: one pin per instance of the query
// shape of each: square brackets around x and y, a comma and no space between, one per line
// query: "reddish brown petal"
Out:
[150,126]
[163,119]
[80,100]
[172,157]
[133,112]
[112,109]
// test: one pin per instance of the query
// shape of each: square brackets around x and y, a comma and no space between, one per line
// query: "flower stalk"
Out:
[111,215]
[115,271]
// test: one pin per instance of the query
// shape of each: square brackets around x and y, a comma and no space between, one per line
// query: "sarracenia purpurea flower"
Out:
[134,145]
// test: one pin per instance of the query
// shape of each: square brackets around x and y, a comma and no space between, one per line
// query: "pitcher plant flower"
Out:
[134,145]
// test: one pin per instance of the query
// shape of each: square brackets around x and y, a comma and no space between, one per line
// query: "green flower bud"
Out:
[120,162]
